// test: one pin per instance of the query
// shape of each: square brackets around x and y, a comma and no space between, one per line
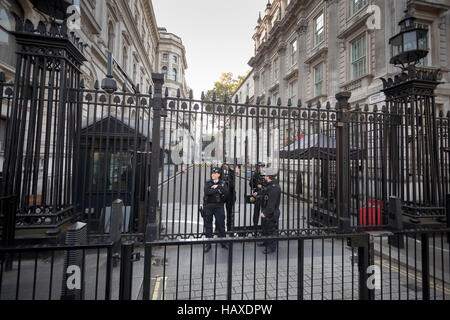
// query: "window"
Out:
[275,97]
[175,59]
[358,58]
[165,57]
[164,71]
[318,80]
[124,58]
[7,23]
[356,5]
[275,69]
[293,51]
[318,29]
[293,92]
[115,168]
[110,37]
[426,62]
[174,74]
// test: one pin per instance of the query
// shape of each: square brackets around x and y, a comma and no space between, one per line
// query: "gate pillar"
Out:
[42,137]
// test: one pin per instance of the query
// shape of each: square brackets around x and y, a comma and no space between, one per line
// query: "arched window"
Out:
[110,36]
[134,72]
[174,74]
[7,23]
[164,71]
[124,58]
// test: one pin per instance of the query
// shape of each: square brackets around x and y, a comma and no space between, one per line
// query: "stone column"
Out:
[302,28]
[282,72]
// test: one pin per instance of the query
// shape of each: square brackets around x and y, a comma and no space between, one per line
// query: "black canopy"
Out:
[316,146]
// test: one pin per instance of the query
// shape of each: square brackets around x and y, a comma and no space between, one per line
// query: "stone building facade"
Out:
[312,49]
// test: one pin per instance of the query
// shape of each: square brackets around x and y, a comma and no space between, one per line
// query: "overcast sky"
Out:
[217,35]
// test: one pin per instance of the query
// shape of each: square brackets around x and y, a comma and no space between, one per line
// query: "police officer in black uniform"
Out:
[270,213]
[227,175]
[256,184]
[215,195]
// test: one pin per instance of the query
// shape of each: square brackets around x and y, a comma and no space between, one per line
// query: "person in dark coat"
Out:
[256,184]
[215,194]
[270,214]
[227,175]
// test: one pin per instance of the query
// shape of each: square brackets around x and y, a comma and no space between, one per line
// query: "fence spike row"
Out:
[191,94]
[268,101]
[258,100]
[247,100]
[309,105]
[299,103]
[166,93]
[448,114]
[29,26]
[328,106]
[82,84]
[214,96]
[236,100]
[225,98]
[138,90]
[383,109]
[357,108]
[124,87]
[441,114]
[279,102]
[202,96]
[178,93]
[319,105]
[96,85]
[41,28]
[366,108]
[289,103]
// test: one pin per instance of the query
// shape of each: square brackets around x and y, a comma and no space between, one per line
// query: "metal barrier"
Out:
[363,266]
[37,273]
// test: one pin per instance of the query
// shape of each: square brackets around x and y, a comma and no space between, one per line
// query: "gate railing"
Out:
[364,266]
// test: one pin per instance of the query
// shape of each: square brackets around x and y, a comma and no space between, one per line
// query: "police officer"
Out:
[227,175]
[256,184]
[270,206]
[215,194]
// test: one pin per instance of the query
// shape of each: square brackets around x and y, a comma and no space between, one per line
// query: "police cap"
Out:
[270,172]
[215,170]
[261,164]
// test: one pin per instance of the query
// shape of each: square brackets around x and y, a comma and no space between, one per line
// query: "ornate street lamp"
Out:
[410,45]
[54,8]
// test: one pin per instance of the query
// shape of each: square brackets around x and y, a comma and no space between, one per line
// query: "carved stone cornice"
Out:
[282,46]
[302,27]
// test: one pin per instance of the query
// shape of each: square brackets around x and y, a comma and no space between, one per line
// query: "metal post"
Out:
[448,216]
[115,224]
[126,271]
[300,268]
[342,161]
[230,271]
[395,222]
[363,265]
[425,267]
[147,271]
[152,230]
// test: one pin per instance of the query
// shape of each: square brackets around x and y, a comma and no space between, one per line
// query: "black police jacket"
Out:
[256,179]
[215,198]
[271,197]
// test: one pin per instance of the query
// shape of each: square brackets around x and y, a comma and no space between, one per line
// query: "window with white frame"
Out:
[275,69]
[164,71]
[318,80]
[293,51]
[175,59]
[174,74]
[165,57]
[358,57]
[356,5]
[293,91]
[319,29]
[275,97]
[426,62]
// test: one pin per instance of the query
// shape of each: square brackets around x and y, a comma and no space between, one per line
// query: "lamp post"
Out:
[410,94]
